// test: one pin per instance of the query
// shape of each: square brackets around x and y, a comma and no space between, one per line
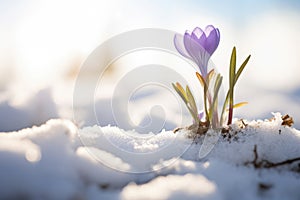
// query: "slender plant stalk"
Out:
[205,88]
[205,102]
[231,84]
[224,108]
[214,106]
[211,110]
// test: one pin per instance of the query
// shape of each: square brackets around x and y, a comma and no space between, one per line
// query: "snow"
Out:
[35,110]
[59,160]
[173,187]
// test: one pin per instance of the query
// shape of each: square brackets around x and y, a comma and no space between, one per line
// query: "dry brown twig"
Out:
[267,164]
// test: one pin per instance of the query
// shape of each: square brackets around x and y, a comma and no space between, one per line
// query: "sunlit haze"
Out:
[44,43]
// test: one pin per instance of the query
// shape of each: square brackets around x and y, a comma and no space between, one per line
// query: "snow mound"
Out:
[60,161]
[136,153]
[188,186]
[274,142]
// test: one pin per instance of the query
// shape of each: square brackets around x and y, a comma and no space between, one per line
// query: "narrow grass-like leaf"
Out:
[208,80]
[192,104]
[193,113]
[205,89]
[183,96]
[178,85]
[232,67]
[201,80]
[233,77]
[231,84]
[210,75]
[215,96]
[218,83]
[224,108]
[213,109]
[238,105]
[191,99]
[181,93]
[240,70]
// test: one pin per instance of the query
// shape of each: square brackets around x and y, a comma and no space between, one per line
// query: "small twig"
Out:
[245,125]
[175,130]
[255,163]
[268,164]
[286,162]
[255,155]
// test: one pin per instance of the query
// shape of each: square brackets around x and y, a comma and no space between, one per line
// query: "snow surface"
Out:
[58,160]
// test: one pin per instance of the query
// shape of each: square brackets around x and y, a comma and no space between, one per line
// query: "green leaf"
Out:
[210,75]
[179,89]
[200,78]
[224,108]
[238,105]
[205,89]
[233,77]
[217,86]
[191,99]
[231,83]
[181,93]
[218,83]
[241,69]
[232,67]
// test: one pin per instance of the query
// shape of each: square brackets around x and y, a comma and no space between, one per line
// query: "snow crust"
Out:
[58,160]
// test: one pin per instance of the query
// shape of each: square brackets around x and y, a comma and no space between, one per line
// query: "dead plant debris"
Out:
[287,120]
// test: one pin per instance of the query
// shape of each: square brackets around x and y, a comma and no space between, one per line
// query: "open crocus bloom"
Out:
[198,45]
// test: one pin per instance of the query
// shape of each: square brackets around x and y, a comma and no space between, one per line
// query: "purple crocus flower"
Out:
[199,45]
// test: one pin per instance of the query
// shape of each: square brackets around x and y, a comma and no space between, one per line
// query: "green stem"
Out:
[230,113]
[224,108]
[205,103]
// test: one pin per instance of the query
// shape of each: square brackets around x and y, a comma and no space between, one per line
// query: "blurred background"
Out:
[44,43]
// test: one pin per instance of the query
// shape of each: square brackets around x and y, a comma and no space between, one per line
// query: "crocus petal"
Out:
[198,32]
[213,39]
[201,115]
[199,36]
[180,46]
[201,57]
[194,50]
[190,45]
[209,29]
[199,45]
